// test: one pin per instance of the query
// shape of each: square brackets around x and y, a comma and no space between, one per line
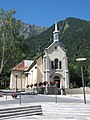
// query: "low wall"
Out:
[77,91]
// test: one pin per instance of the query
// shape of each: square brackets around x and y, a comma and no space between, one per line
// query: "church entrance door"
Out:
[57,79]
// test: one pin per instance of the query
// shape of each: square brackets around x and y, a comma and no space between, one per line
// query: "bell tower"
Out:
[55,34]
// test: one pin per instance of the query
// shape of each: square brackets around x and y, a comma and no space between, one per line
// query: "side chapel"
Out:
[52,66]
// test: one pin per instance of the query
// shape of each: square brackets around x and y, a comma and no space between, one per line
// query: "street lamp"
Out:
[81,60]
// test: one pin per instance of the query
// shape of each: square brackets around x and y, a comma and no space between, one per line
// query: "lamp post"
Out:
[81,60]
[20,89]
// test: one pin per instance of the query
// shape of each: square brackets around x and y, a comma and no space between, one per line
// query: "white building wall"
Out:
[32,76]
[40,70]
[55,51]
[66,74]
[21,80]
[46,67]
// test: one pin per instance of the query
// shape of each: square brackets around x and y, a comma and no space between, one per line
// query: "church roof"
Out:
[22,66]
[59,43]
[31,66]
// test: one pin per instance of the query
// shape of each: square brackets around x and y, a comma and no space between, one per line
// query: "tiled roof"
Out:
[20,66]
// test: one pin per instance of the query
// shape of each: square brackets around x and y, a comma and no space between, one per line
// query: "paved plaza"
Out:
[69,107]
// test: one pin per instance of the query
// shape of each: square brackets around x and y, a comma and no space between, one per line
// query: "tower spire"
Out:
[55,33]
[55,26]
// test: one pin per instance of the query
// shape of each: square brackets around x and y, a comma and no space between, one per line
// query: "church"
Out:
[51,67]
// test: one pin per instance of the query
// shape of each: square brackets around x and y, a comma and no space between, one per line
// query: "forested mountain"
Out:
[75,35]
[15,46]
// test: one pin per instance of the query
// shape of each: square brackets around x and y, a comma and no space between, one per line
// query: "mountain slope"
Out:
[30,30]
[77,38]
[75,35]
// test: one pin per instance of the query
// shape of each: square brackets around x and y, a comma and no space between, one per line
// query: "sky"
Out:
[44,13]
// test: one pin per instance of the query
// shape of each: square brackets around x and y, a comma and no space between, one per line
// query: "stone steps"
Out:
[20,111]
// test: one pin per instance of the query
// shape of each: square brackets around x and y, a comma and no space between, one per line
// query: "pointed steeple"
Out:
[55,33]
[56,26]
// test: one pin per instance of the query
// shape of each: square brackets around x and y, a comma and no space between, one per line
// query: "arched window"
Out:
[60,64]
[52,65]
[56,63]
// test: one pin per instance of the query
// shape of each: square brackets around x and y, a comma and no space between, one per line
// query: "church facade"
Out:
[52,66]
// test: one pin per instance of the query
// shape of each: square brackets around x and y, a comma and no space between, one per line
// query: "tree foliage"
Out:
[74,34]
[12,41]
[9,37]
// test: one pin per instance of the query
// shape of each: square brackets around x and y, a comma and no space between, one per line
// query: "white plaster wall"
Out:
[27,63]
[32,76]
[40,70]
[13,80]
[59,54]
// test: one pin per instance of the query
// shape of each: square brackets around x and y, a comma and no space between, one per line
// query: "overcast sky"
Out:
[46,12]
